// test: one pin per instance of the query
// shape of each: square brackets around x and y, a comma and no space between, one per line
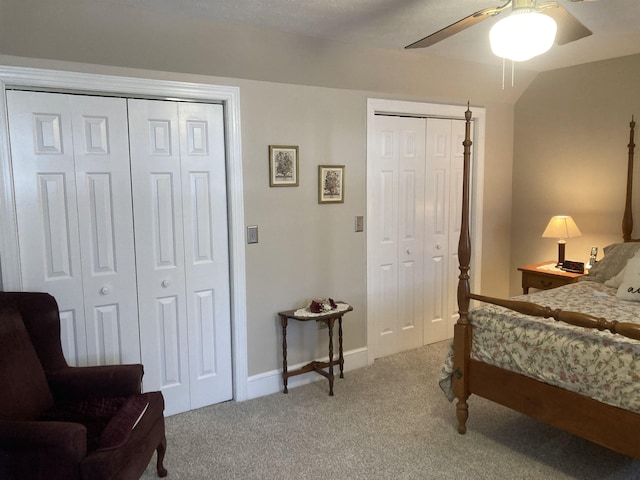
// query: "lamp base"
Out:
[561,246]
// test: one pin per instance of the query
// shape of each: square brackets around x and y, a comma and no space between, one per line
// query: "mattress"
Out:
[596,364]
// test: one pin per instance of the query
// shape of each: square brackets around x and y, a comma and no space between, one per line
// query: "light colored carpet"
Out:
[386,421]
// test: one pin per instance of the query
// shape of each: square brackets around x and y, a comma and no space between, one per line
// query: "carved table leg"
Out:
[340,351]
[330,325]
[283,322]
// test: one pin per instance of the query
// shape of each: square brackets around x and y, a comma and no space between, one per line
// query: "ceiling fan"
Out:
[569,28]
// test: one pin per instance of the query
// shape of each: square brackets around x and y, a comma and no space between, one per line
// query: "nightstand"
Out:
[544,276]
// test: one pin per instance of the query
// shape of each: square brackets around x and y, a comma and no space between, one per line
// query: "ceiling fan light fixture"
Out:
[522,35]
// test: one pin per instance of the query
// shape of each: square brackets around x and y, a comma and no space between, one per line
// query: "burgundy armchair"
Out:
[62,422]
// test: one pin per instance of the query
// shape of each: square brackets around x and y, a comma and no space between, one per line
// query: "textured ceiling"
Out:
[393,24]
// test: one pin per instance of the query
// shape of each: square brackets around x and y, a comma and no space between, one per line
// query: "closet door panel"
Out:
[437,228]
[455,214]
[70,155]
[443,206]
[101,146]
[206,252]
[157,199]
[46,207]
[397,233]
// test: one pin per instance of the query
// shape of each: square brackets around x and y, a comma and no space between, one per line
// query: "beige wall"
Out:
[570,157]
[298,91]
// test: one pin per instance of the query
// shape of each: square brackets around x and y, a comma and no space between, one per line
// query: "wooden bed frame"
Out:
[612,427]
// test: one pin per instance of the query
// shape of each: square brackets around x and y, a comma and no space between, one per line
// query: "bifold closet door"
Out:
[443,213]
[397,274]
[180,211]
[70,159]
[416,180]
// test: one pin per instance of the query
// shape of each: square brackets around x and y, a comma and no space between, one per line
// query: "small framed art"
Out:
[331,184]
[283,166]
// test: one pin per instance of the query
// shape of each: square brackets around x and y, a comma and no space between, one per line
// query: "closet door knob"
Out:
[105,291]
[165,283]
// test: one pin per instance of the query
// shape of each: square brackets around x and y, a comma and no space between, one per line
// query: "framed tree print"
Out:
[331,184]
[283,166]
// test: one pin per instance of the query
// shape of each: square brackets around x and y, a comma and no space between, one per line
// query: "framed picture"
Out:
[283,166]
[331,184]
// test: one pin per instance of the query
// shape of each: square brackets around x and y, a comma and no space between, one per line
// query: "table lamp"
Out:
[561,227]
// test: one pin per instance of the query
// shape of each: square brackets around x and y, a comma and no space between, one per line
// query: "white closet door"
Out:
[72,185]
[398,233]
[103,183]
[455,220]
[204,197]
[177,163]
[157,200]
[443,215]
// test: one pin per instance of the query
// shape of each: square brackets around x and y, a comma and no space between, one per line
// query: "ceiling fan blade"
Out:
[460,25]
[570,28]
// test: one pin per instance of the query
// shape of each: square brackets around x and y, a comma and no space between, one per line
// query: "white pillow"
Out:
[629,289]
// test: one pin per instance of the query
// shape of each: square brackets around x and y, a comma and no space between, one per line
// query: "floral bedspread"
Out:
[600,365]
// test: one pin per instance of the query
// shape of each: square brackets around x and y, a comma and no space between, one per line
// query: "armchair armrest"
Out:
[35,449]
[100,381]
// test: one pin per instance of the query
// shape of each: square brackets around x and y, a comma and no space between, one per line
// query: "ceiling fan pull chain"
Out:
[513,72]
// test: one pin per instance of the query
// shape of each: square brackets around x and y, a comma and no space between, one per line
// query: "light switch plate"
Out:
[359,223]
[252,234]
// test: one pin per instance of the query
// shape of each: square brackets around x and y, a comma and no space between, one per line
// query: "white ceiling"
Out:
[393,24]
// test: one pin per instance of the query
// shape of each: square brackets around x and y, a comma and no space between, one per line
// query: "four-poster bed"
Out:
[567,365]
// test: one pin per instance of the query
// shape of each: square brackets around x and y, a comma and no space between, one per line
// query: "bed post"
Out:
[627,218]
[462,329]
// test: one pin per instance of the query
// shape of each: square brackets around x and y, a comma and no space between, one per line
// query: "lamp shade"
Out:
[561,226]
[522,35]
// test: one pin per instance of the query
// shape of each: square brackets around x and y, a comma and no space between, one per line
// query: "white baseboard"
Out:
[271,382]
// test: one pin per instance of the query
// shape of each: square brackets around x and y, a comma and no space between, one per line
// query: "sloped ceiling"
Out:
[393,24]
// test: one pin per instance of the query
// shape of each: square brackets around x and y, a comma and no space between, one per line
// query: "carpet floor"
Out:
[386,421]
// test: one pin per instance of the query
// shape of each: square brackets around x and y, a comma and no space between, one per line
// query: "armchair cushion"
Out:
[41,450]
[26,391]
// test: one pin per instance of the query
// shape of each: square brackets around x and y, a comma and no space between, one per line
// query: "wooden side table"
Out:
[315,366]
[541,276]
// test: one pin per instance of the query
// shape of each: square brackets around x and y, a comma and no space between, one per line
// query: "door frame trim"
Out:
[66,82]
[377,106]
